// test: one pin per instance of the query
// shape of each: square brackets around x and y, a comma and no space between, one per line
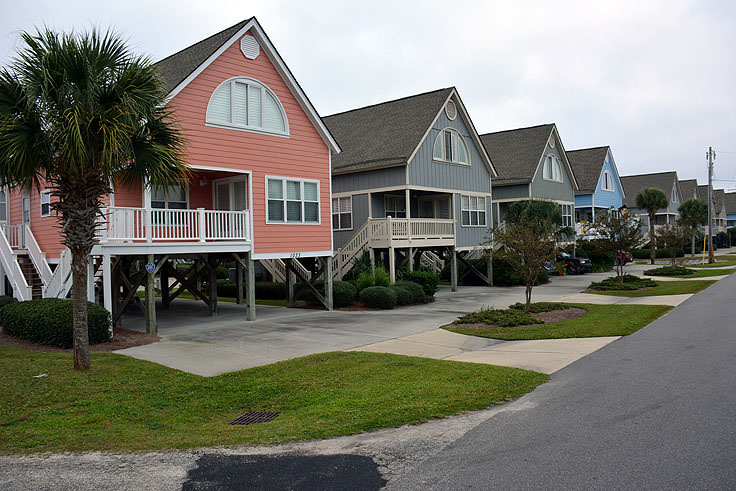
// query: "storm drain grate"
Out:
[254,417]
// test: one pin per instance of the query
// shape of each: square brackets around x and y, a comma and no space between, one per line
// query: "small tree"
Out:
[651,199]
[618,232]
[526,244]
[693,213]
[672,237]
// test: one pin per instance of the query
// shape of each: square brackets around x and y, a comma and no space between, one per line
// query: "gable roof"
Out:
[633,185]
[587,164]
[730,203]
[719,199]
[388,134]
[689,188]
[177,70]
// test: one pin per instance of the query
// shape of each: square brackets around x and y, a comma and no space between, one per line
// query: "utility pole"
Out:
[710,204]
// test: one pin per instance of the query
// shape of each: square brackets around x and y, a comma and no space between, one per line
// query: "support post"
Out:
[290,280]
[250,285]
[107,286]
[489,267]
[411,259]
[238,282]
[453,269]
[212,284]
[328,281]
[115,289]
[91,279]
[372,256]
[151,327]
[164,280]
[392,264]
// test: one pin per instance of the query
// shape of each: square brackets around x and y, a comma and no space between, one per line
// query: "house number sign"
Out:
[150,267]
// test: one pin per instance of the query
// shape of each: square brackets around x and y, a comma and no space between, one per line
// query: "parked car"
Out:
[571,264]
[624,257]
[550,267]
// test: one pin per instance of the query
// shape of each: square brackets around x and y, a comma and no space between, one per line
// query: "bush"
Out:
[343,293]
[379,277]
[415,290]
[426,279]
[361,264]
[270,290]
[539,307]
[379,297]
[659,253]
[49,321]
[499,317]
[505,275]
[601,259]
[669,271]
[5,300]
[308,295]
[631,282]
[403,297]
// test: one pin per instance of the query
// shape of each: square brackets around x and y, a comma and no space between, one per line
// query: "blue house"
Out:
[598,180]
[731,210]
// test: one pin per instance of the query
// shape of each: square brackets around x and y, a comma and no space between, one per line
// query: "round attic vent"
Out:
[249,46]
[451,110]
[551,142]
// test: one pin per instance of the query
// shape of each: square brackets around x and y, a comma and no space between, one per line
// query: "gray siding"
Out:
[360,215]
[557,191]
[470,236]
[424,171]
[361,181]
[520,191]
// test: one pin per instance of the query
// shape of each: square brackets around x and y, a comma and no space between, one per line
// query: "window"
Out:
[566,215]
[473,211]
[395,206]
[3,205]
[674,195]
[552,170]
[169,197]
[292,200]
[45,203]
[450,146]
[342,213]
[607,181]
[244,103]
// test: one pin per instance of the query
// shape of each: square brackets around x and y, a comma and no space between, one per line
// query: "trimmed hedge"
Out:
[415,291]
[630,282]
[669,271]
[49,321]
[659,253]
[378,297]
[539,307]
[426,279]
[270,290]
[403,297]
[5,300]
[343,293]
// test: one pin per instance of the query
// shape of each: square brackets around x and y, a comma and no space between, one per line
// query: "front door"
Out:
[434,206]
[231,194]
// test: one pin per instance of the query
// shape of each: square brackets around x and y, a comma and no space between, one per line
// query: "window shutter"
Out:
[254,106]
[273,119]
[240,98]
[444,207]
[462,152]
[437,151]
[218,110]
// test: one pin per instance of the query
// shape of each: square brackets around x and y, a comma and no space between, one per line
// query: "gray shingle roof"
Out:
[703,192]
[587,164]
[719,199]
[689,188]
[175,68]
[633,185]
[383,135]
[730,202]
[516,153]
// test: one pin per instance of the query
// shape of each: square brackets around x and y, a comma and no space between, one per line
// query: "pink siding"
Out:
[303,154]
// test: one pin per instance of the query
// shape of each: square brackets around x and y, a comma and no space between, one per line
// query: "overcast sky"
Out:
[655,80]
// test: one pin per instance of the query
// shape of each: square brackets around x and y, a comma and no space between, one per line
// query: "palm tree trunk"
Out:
[652,250]
[79,304]
[692,244]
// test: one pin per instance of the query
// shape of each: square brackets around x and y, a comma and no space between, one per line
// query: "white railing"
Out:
[60,282]
[165,225]
[21,289]
[343,260]
[277,268]
[15,235]
[431,261]
[412,229]
[38,258]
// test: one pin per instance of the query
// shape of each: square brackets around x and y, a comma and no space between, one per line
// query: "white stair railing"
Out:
[277,269]
[343,259]
[37,257]
[21,290]
[61,279]
[431,261]
[14,235]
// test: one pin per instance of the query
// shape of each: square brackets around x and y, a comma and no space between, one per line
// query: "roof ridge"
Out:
[389,102]
[241,23]
[585,149]
[517,129]
[652,174]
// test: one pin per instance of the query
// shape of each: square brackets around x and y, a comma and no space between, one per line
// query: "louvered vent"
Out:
[249,46]
[451,110]
[552,142]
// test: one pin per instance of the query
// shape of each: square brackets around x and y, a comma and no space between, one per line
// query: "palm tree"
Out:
[651,199]
[77,112]
[693,213]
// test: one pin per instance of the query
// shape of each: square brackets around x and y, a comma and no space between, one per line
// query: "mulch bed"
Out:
[122,338]
[547,317]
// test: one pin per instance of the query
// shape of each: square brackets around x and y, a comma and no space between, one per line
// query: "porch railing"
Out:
[168,225]
[412,229]
[15,234]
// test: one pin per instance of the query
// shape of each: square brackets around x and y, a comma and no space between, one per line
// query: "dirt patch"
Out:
[121,338]
[547,317]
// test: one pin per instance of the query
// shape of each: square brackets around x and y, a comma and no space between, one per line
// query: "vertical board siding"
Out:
[374,179]
[425,171]
[360,215]
[470,236]
[608,199]
[303,154]
[551,190]
[517,191]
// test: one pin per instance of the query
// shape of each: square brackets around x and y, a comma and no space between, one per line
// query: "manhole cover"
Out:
[253,417]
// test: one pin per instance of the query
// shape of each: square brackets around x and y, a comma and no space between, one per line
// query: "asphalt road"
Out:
[654,410]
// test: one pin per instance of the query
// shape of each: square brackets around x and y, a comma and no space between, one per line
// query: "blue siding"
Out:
[362,181]
[470,236]
[583,200]
[608,199]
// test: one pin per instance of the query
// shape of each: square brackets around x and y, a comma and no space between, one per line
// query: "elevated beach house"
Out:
[666,182]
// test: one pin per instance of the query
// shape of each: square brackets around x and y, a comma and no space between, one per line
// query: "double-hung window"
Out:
[45,203]
[395,206]
[292,200]
[342,213]
[473,211]
[3,205]
[566,215]
[169,197]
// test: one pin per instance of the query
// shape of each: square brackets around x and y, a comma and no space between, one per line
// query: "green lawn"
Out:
[662,288]
[726,260]
[124,404]
[703,273]
[601,320]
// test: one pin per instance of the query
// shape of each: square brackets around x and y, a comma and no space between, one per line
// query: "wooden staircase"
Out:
[32,277]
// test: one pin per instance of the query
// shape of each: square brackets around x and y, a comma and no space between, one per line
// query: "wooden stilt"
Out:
[290,280]
[164,279]
[411,259]
[453,269]
[250,295]
[238,282]
[392,264]
[212,284]
[151,327]
[107,286]
[328,281]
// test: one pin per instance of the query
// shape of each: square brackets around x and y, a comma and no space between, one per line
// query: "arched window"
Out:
[244,103]
[552,170]
[450,146]
[607,181]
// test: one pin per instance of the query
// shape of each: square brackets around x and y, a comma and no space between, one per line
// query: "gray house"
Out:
[531,164]
[667,182]
[689,189]
[720,213]
[413,181]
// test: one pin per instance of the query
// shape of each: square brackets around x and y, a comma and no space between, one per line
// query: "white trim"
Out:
[301,180]
[218,169]
[332,236]
[444,160]
[551,157]
[332,213]
[471,210]
[402,187]
[287,255]
[603,181]
[286,75]
[41,203]
[230,180]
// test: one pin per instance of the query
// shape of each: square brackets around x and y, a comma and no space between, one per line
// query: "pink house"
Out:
[259,190]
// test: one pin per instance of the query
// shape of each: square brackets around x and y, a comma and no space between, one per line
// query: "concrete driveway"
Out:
[194,342]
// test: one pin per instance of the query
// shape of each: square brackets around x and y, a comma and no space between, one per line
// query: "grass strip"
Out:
[124,404]
[663,288]
[601,320]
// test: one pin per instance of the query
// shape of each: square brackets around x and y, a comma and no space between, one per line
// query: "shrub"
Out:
[379,297]
[403,297]
[379,277]
[539,307]
[631,282]
[415,290]
[343,293]
[307,294]
[499,317]
[659,253]
[49,321]
[270,290]
[669,271]
[426,279]
[5,300]
[360,264]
